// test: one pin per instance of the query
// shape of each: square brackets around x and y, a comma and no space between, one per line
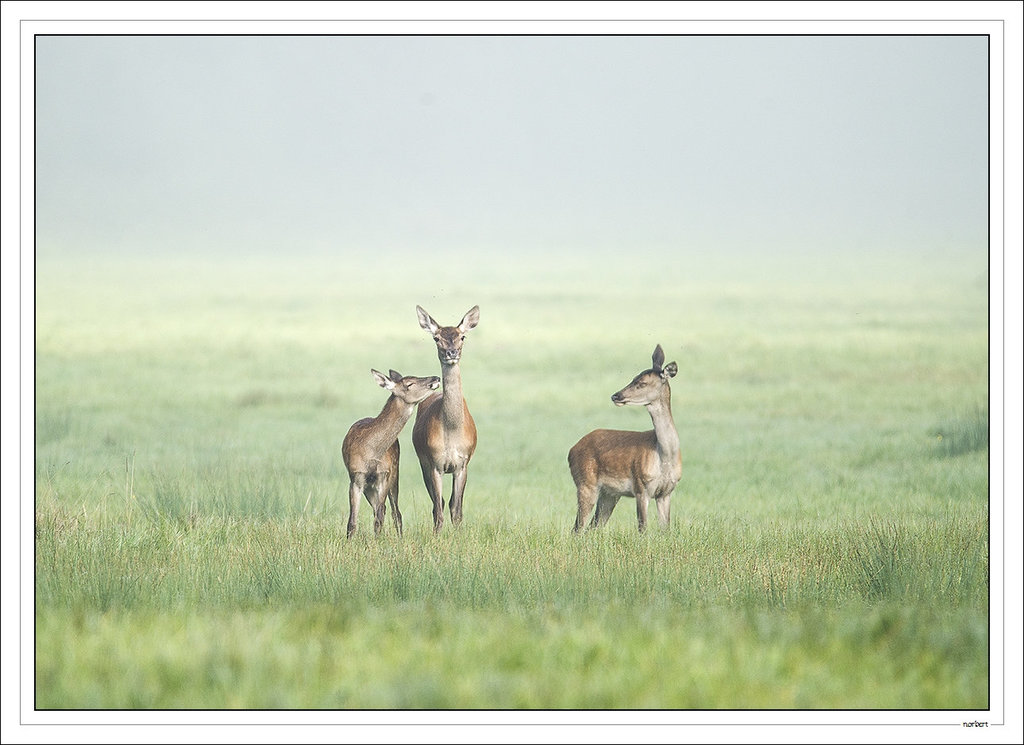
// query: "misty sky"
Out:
[506,142]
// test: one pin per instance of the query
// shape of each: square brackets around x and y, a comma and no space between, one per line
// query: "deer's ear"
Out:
[658,358]
[395,376]
[669,370]
[427,323]
[382,380]
[470,320]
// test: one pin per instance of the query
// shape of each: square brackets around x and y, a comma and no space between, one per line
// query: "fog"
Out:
[511,143]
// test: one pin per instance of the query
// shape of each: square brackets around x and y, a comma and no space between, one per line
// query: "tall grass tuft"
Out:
[964,433]
[879,557]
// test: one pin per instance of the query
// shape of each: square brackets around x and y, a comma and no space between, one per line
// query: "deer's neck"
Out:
[664,426]
[452,407]
[390,421]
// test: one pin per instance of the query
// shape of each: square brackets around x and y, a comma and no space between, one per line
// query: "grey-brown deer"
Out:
[371,451]
[609,464]
[444,434]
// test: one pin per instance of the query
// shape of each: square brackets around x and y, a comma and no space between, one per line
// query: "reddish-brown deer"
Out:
[444,434]
[371,451]
[609,464]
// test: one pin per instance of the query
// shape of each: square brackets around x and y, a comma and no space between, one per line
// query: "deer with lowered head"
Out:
[371,451]
[609,464]
[444,433]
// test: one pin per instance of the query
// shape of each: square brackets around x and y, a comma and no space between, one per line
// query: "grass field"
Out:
[829,545]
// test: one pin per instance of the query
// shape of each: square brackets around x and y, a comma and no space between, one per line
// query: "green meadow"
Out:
[829,539]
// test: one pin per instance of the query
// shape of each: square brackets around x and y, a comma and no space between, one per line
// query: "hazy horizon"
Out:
[522,143]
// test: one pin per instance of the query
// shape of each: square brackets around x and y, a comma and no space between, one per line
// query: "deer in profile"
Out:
[444,434]
[371,451]
[609,464]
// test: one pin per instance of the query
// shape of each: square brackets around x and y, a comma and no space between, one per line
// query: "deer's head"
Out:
[449,339]
[407,388]
[647,387]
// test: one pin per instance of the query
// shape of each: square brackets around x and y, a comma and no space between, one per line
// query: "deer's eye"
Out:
[462,338]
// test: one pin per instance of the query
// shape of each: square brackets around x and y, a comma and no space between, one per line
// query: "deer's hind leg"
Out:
[376,495]
[356,486]
[605,504]
[586,498]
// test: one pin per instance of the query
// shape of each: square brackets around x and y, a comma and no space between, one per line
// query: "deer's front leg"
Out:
[458,489]
[664,509]
[642,499]
[379,504]
[433,479]
[396,515]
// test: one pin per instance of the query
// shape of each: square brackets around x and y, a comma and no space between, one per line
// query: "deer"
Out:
[371,451]
[444,434]
[609,464]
